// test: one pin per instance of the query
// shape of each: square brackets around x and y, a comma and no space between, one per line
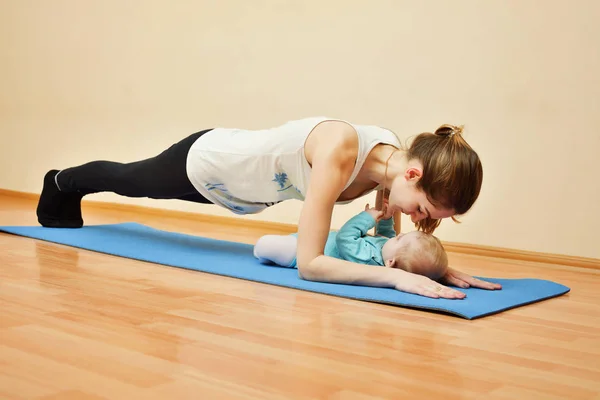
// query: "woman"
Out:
[319,160]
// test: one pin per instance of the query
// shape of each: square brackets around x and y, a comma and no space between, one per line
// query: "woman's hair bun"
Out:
[449,130]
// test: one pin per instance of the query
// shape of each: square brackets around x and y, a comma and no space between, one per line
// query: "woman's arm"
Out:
[332,165]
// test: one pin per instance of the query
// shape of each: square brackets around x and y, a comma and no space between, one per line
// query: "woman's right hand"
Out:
[421,285]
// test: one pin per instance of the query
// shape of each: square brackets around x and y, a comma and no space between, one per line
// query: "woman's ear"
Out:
[413,174]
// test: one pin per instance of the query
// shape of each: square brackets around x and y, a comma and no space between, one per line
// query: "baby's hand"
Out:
[376,214]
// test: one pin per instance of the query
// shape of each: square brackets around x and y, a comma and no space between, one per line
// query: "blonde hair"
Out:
[424,256]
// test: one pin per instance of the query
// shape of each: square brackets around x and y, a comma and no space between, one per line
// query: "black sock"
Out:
[58,209]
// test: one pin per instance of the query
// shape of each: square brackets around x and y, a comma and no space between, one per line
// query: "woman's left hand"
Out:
[460,279]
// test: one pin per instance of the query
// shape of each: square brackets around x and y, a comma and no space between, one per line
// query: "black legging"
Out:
[161,177]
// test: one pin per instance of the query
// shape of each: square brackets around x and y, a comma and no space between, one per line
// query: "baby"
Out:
[415,252]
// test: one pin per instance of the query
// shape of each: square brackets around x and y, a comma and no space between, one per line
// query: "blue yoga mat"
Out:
[234,259]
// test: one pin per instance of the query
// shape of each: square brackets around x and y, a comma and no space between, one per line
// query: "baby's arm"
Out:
[350,239]
[385,227]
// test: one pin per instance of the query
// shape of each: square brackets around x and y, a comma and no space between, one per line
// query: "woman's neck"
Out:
[384,157]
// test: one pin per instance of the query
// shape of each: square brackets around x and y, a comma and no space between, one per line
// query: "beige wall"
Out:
[121,80]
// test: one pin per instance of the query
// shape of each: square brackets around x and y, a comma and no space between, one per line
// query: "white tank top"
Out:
[247,171]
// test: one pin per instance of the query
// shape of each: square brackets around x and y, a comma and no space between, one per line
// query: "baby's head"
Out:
[416,252]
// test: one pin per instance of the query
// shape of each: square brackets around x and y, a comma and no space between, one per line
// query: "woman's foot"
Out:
[57,209]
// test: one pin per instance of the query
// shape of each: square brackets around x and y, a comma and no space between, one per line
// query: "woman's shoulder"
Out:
[332,137]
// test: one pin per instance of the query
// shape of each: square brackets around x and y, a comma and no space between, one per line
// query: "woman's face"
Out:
[408,199]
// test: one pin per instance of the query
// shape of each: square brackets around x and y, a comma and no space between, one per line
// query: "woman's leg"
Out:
[278,249]
[160,177]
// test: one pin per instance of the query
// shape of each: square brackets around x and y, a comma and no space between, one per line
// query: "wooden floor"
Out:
[80,325]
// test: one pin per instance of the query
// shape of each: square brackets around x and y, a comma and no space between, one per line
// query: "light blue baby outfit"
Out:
[351,242]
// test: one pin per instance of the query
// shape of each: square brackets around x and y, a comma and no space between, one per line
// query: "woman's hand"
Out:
[460,279]
[421,285]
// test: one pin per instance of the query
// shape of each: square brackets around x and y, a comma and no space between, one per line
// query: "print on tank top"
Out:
[221,191]
[282,180]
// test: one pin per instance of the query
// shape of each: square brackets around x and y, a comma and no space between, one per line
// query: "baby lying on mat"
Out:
[414,252]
